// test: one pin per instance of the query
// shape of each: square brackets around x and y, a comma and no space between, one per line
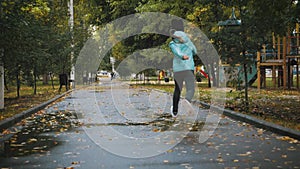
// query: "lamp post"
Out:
[71,23]
[232,21]
[230,28]
[233,25]
[112,61]
[1,80]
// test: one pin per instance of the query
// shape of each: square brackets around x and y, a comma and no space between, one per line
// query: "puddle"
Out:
[38,133]
[30,145]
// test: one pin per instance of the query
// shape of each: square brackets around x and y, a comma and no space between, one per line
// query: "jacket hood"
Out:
[180,36]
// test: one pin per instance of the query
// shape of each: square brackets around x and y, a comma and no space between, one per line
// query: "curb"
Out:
[9,122]
[255,121]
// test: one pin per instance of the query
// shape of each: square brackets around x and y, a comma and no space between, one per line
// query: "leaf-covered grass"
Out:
[273,105]
[27,99]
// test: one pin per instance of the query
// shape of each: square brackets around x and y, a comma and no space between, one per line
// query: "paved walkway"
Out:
[113,126]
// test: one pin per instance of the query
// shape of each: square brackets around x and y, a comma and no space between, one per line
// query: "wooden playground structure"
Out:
[284,65]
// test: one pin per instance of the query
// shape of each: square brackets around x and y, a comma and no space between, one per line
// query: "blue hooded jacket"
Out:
[180,46]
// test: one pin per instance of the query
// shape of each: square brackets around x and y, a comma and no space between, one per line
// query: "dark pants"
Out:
[189,79]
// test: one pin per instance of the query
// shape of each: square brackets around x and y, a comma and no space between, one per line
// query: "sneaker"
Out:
[188,107]
[174,114]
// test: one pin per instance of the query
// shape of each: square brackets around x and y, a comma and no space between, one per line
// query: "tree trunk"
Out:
[246,86]
[45,78]
[209,83]
[34,81]
[211,74]
[18,84]
[5,83]
[52,83]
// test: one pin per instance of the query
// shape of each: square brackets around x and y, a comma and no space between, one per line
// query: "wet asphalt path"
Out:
[97,128]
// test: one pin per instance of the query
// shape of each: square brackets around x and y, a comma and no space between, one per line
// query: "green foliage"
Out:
[36,38]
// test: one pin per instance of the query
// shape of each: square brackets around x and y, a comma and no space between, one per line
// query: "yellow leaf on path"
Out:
[291,148]
[170,151]
[43,120]
[246,154]
[75,162]
[286,138]
[155,130]
[260,131]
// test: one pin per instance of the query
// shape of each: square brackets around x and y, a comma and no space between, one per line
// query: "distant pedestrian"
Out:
[183,64]
[112,74]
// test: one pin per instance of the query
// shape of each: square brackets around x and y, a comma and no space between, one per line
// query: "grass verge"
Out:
[14,105]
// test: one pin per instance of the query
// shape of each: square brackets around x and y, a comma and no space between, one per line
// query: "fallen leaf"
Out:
[260,131]
[32,140]
[291,148]
[170,151]
[75,162]
[246,154]
[69,168]
[155,130]
[286,138]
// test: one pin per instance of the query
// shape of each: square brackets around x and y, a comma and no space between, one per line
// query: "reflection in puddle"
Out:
[38,133]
